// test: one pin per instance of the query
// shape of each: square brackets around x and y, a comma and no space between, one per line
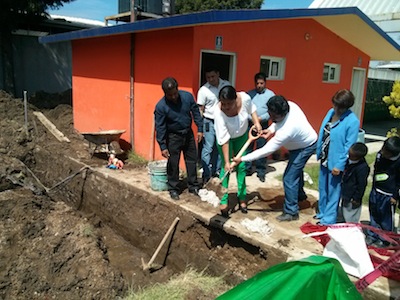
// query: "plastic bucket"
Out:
[158,175]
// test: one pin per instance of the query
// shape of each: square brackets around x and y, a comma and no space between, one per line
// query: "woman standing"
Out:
[338,131]
[231,117]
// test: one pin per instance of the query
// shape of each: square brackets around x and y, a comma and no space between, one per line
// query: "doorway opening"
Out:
[358,88]
[225,62]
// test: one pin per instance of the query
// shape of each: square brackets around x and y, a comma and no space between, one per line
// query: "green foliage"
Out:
[393,103]
[88,231]
[186,6]
[136,160]
[19,14]
[13,12]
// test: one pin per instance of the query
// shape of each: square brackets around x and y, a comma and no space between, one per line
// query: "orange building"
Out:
[308,55]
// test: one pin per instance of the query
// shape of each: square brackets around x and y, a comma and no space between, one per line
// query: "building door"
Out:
[357,88]
[225,62]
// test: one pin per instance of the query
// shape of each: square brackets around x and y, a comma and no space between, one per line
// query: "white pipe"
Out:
[26,110]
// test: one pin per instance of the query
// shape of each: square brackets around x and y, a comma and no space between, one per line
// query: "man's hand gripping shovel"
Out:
[216,182]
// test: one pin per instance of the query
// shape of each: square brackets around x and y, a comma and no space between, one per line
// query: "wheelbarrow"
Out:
[105,141]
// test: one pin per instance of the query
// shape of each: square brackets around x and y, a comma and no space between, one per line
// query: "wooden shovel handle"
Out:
[243,149]
[171,228]
[248,142]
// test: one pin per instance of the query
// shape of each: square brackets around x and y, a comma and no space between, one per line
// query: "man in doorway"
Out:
[174,114]
[260,96]
[207,99]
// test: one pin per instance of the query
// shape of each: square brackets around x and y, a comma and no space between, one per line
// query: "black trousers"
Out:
[178,143]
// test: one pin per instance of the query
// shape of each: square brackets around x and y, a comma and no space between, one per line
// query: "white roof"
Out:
[375,9]
[78,20]
[394,65]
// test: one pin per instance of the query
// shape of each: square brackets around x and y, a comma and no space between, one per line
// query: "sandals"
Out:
[225,209]
[243,208]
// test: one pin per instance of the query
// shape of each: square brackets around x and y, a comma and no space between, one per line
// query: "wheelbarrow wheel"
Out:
[115,147]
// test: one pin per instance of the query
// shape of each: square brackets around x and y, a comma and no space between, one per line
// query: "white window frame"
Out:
[332,71]
[276,67]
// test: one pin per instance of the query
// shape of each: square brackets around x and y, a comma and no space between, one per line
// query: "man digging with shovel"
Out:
[291,130]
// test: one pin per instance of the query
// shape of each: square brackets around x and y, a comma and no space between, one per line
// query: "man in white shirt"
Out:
[207,99]
[291,130]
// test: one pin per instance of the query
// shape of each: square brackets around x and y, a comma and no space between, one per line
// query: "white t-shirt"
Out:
[226,127]
[293,132]
[208,96]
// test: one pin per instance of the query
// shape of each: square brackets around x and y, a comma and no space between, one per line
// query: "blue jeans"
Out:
[293,181]
[261,163]
[210,159]
[380,213]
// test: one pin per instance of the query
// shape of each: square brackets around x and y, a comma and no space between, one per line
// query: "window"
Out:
[331,73]
[273,67]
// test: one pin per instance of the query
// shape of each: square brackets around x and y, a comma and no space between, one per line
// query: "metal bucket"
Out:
[158,175]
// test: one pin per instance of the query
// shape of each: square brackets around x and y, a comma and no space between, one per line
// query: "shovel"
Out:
[216,181]
[150,265]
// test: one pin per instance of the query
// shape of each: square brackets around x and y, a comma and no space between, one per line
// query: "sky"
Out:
[98,9]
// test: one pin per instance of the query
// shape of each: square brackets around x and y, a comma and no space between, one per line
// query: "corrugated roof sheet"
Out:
[78,20]
[369,7]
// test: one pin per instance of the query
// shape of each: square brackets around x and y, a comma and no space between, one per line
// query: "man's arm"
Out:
[362,181]
[201,109]
[161,128]
[198,120]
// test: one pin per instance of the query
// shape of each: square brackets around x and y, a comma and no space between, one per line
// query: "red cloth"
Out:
[393,272]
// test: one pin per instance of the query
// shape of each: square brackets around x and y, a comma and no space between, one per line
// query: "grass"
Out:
[88,231]
[136,160]
[182,286]
[313,171]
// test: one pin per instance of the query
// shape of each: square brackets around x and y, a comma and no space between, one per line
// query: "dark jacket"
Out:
[354,181]
[176,117]
[387,175]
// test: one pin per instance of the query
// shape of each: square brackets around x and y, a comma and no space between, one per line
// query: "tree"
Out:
[186,6]
[19,14]
[393,103]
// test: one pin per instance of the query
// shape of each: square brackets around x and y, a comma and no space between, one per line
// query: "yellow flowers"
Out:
[393,103]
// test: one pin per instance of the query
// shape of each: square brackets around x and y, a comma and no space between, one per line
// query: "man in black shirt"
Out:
[173,119]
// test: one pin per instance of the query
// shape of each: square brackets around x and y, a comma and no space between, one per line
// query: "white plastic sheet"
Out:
[348,246]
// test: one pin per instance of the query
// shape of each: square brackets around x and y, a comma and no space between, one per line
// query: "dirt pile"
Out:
[47,249]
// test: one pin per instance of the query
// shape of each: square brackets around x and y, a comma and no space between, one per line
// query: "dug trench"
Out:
[124,212]
[72,229]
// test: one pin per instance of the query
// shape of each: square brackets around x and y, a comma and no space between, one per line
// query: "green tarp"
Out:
[315,277]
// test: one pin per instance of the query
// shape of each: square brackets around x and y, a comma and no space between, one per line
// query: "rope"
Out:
[65,180]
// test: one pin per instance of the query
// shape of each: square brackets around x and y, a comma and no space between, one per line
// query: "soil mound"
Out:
[47,249]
